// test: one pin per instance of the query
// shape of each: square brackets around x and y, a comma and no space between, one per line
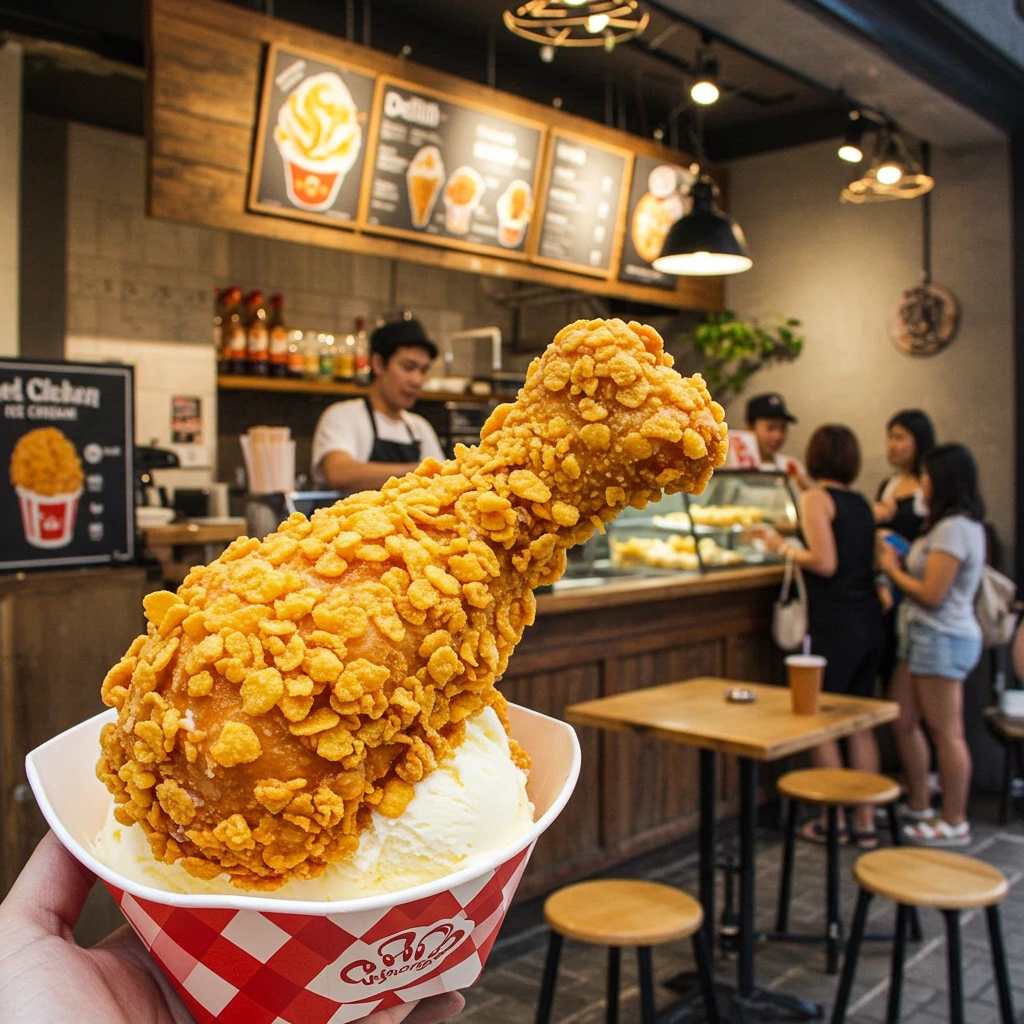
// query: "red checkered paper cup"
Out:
[48,520]
[257,960]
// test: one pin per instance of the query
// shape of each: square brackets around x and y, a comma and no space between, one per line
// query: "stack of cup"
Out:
[269,459]
[806,674]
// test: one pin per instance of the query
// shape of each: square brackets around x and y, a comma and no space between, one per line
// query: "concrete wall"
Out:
[10,168]
[841,269]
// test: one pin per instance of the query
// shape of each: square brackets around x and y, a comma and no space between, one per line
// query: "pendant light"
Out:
[852,149]
[706,242]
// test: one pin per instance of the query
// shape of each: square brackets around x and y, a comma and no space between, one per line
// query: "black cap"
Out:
[770,406]
[405,333]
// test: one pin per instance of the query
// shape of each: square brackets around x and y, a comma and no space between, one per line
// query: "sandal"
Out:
[815,832]
[929,814]
[865,840]
[938,833]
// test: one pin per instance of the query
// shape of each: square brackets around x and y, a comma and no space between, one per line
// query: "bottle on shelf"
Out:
[257,335]
[362,353]
[278,338]
[296,355]
[345,358]
[218,329]
[310,355]
[326,342]
[233,332]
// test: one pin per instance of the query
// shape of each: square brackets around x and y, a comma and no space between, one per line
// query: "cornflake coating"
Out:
[299,682]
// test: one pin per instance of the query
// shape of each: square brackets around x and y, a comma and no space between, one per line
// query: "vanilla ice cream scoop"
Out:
[474,803]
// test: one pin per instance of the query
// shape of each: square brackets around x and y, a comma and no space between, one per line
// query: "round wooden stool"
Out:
[620,912]
[950,882]
[831,788]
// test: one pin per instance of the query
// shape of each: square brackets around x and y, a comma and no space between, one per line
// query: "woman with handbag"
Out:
[941,642]
[844,616]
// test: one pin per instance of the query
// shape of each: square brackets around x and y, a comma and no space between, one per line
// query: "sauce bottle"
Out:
[278,338]
[233,332]
[257,335]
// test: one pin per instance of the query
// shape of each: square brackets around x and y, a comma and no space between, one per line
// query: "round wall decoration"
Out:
[926,319]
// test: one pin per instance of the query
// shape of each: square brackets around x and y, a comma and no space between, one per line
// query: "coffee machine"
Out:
[146,461]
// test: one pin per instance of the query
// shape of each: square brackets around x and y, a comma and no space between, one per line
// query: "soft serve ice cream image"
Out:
[424,178]
[462,195]
[319,137]
[514,207]
[309,785]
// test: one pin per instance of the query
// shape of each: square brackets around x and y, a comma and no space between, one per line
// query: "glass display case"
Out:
[692,534]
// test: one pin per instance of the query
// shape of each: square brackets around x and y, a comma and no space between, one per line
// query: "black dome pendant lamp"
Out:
[706,242]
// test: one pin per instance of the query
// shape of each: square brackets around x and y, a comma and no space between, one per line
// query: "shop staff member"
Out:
[360,444]
[768,420]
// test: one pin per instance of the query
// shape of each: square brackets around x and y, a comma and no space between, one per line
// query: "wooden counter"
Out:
[636,794]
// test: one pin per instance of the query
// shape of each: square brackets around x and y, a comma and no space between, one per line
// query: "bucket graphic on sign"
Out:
[47,477]
[258,959]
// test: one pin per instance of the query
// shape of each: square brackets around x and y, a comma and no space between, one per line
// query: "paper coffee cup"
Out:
[234,958]
[806,674]
[48,519]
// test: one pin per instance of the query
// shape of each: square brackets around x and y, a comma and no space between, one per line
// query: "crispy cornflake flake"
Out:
[261,690]
[237,744]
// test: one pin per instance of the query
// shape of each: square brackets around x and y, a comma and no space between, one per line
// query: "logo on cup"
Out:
[399,960]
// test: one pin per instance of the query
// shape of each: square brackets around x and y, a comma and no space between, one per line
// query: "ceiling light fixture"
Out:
[895,173]
[706,242]
[574,23]
[704,90]
[851,150]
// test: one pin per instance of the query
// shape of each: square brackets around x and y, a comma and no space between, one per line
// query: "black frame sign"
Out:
[581,216]
[66,440]
[452,173]
[658,197]
[312,138]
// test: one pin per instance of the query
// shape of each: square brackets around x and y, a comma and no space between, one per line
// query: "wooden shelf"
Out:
[231,382]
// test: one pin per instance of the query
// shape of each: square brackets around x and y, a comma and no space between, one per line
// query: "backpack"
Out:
[995,608]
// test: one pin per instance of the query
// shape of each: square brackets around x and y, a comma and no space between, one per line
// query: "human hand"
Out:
[46,976]
[884,510]
[771,539]
[888,557]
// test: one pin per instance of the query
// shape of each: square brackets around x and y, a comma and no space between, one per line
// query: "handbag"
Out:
[995,608]
[789,614]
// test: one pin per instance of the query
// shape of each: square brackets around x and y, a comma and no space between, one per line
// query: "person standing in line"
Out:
[900,504]
[362,443]
[768,420]
[941,643]
[844,615]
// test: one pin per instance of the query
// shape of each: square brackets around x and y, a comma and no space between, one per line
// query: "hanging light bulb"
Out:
[547,53]
[597,23]
[574,3]
[851,150]
[704,243]
[890,170]
[705,89]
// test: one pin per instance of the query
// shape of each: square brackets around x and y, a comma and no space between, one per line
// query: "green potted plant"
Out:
[732,350]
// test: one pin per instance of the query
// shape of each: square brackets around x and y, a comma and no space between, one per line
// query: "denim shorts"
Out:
[930,652]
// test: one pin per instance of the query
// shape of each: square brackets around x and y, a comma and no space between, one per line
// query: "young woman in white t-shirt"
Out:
[941,641]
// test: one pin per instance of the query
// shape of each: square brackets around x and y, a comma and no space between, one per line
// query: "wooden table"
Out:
[696,713]
[174,544]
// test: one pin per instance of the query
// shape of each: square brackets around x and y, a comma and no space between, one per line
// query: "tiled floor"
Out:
[507,991]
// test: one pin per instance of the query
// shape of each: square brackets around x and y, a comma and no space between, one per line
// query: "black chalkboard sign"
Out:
[452,173]
[66,440]
[581,217]
[311,139]
[658,197]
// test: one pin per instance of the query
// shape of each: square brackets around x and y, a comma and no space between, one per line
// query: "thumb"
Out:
[51,889]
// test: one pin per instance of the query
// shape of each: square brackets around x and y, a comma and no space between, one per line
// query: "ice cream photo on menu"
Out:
[47,476]
[319,136]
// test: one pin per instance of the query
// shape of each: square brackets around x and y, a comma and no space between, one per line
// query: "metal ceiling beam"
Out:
[938,48]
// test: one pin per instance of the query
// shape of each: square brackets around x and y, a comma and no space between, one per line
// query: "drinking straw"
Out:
[807,643]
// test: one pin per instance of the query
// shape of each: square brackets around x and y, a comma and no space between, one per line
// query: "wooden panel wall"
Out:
[205,66]
[634,795]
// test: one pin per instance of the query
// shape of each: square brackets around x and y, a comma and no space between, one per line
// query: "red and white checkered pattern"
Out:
[247,967]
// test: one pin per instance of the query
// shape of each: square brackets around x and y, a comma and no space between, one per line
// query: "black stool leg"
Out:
[896,829]
[860,917]
[706,977]
[1009,773]
[643,957]
[954,957]
[547,986]
[899,951]
[995,938]
[786,884]
[612,1013]
[834,931]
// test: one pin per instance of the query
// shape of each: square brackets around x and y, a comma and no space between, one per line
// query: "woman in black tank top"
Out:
[844,615]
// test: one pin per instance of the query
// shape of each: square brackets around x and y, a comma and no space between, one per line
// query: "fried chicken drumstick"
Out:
[298,682]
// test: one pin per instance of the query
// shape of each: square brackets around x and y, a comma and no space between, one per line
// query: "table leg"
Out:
[748,877]
[708,788]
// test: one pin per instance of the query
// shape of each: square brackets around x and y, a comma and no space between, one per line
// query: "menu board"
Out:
[311,140]
[658,197]
[66,436]
[452,173]
[582,204]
